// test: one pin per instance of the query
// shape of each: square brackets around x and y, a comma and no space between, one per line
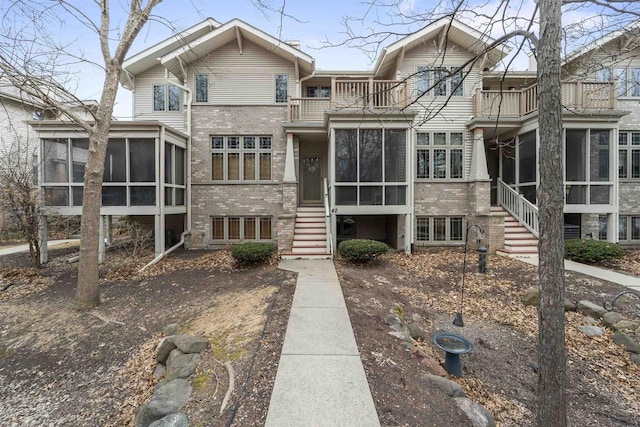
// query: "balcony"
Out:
[576,95]
[350,94]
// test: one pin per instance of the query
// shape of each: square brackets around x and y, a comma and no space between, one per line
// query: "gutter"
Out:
[188,170]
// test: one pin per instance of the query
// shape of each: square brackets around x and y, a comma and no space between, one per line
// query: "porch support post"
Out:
[159,234]
[289,162]
[43,239]
[479,170]
[408,233]
[101,235]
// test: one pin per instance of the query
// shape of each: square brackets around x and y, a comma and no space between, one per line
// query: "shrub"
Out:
[361,250]
[252,252]
[591,251]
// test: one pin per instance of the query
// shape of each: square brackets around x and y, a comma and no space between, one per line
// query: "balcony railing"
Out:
[360,94]
[576,95]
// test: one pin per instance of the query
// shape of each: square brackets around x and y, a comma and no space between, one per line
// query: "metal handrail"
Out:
[327,217]
[517,205]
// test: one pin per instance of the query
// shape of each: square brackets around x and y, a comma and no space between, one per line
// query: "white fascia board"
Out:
[600,42]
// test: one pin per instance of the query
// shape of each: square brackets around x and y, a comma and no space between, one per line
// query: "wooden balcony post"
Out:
[579,94]
[289,106]
[333,93]
[370,94]
[613,96]
[478,102]
[522,94]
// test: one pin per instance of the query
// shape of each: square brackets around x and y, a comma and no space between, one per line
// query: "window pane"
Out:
[528,159]
[529,192]
[635,228]
[115,162]
[249,142]
[233,166]
[575,155]
[179,196]
[423,138]
[77,193]
[439,138]
[180,166]
[174,98]
[422,232]
[202,88]
[635,138]
[635,82]
[456,163]
[233,142]
[143,160]
[234,228]
[312,91]
[114,196]
[56,156]
[325,92]
[457,87]
[143,196]
[439,164]
[395,195]
[249,166]
[217,228]
[250,228]
[455,226]
[346,155]
[168,154]
[623,138]
[422,167]
[217,166]
[439,229]
[217,142]
[620,75]
[600,195]
[346,195]
[622,164]
[370,155]
[56,196]
[508,165]
[603,75]
[456,138]
[158,98]
[599,152]
[370,195]
[622,228]
[265,143]
[282,81]
[79,154]
[265,228]
[265,166]
[440,82]
[395,156]
[168,196]
[603,223]
[635,163]
[576,194]
[422,80]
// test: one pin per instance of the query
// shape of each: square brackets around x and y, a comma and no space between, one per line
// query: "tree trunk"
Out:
[551,337]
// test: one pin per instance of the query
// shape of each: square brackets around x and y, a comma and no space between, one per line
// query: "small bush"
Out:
[361,250]
[252,252]
[591,251]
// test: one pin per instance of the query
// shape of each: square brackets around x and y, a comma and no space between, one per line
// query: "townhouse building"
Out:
[238,136]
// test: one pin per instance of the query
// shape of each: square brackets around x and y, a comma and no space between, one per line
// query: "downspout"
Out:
[188,187]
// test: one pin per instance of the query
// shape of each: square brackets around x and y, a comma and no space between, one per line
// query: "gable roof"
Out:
[456,32]
[148,58]
[234,30]
[632,30]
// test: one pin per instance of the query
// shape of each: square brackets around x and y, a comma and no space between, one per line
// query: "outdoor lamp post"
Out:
[482,267]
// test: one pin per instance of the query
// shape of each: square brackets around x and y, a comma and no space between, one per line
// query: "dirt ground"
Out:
[62,367]
[603,383]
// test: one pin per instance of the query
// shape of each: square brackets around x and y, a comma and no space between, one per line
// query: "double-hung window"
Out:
[440,155]
[202,87]
[241,158]
[628,154]
[166,98]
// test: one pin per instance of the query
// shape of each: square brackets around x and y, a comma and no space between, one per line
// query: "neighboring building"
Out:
[239,137]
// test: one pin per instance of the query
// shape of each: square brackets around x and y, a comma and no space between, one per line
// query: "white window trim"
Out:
[629,232]
[628,148]
[166,109]
[431,80]
[195,88]
[448,147]
[275,88]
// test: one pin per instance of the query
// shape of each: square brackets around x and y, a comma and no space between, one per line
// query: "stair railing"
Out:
[523,210]
[327,217]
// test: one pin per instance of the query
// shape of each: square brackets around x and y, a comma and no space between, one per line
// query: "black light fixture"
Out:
[482,264]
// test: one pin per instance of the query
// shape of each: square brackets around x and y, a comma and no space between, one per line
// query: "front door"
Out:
[311,179]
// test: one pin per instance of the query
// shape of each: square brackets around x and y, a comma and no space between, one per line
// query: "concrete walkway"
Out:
[320,379]
[52,244]
[597,272]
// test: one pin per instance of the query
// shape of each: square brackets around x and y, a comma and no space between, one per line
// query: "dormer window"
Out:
[166,98]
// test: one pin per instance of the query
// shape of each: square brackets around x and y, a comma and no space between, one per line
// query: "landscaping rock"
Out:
[626,325]
[611,318]
[167,399]
[416,317]
[189,344]
[180,365]
[451,388]
[635,358]
[433,365]
[172,420]
[531,296]
[570,305]
[627,342]
[165,347]
[478,414]
[393,321]
[590,330]
[416,332]
[591,309]
[171,329]
[589,320]
[403,335]
[159,371]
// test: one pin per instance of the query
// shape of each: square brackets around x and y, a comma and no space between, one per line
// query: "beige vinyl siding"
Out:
[247,79]
[458,109]
[143,99]
[12,123]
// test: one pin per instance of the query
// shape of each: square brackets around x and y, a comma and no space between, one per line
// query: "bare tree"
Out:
[514,23]
[34,59]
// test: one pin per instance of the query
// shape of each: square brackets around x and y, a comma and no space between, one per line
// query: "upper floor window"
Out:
[166,98]
[440,81]
[627,79]
[628,154]
[318,92]
[202,87]
[282,87]
[439,155]
[241,158]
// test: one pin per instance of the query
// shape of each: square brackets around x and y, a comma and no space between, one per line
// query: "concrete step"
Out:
[309,214]
[310,230]
[305,256]
[518,236]
[314,219]
[309,243]
[309,251]
[521,249]
[309,236]
[523,242]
